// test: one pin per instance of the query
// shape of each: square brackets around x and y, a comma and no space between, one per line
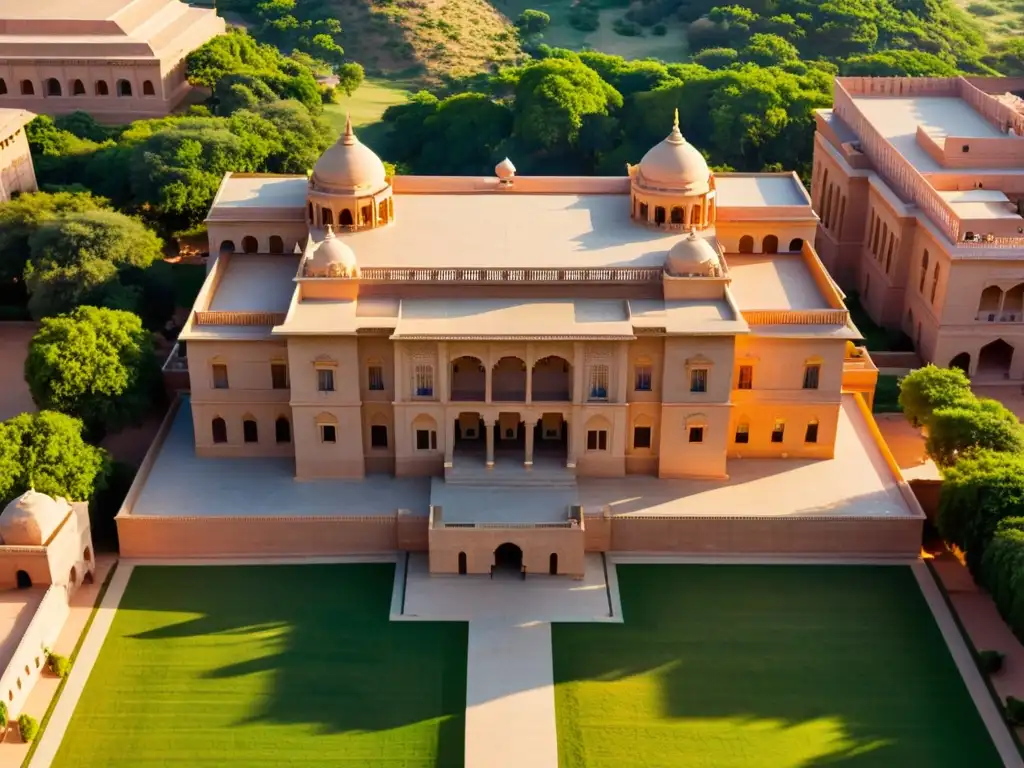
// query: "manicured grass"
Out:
[887,394]
[368,102]
[774,666]
[273,665]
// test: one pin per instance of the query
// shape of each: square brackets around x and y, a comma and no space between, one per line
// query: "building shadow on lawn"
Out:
[779,646]
[323,632]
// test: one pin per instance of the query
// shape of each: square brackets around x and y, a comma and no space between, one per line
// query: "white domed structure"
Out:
[349,186]
[672,186]
[505,170]
[31,519]
[332,258]
[692,256]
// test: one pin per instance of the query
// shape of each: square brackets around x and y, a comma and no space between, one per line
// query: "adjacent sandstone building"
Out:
[119,60]
[918,183]
[17,173]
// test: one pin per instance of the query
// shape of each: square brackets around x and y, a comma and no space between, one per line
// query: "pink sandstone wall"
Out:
[29,658]
[479,544]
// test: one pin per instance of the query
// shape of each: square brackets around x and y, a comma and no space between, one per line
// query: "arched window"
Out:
[78,88]
[327,216]
[770,244]
[659,215]
[27,89]
[24,581]
[643,211]
[53,87]
[220,430]
[3,87]
[746,244]
[345,218]
[796,245]
[250,244]
[250,432]
[382,211]
[677,215]
[101,88]
[147,88]
[935,283]
[811,434]
[228,246]
[124,88]
[695,216]
[924,271]
[310,206]
[282,430]
[276,244]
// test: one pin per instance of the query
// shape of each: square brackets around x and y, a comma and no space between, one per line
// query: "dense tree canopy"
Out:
[929,388]
[95,364]
[972,425]
[46,451]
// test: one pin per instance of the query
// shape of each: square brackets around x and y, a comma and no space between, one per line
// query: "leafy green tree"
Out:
[350,76]
[979,491]
[716,58]
[553,96]
[46,451]
[78,256]
[767,50]
[95,364]
[324,47]
[898,64]
[978,424]
[929,388]
[531,22]
[301,137]
[1001,572]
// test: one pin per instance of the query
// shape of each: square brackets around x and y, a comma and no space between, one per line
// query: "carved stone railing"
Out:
[512,275]
[238,318]
[995,316]
[796,317]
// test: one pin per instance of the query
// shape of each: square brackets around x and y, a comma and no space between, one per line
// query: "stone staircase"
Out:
[507,473]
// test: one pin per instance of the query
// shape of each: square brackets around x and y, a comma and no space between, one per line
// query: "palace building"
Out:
[17,173]
[513,362]
[118,60]
[918,184]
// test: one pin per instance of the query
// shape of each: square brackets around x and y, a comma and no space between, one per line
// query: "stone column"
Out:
[577,372]
[529,372]
[489,426]
[443,371]
[449,439]
[621,372]
[529,425]
[487,376]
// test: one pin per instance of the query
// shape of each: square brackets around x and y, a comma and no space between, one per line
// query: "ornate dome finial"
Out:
[675,118]
[676,137]
[329,233]
[350,136]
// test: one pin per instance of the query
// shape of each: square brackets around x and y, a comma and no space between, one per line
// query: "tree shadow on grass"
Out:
[850,656]
[323,633]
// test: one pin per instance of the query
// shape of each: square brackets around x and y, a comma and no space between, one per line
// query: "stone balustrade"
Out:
[512,275]
[796,317]
[209,317]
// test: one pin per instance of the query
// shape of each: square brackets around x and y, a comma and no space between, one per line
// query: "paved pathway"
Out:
[510,696]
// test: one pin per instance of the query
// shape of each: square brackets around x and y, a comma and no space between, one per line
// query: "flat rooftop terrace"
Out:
[856,483]
[773,281]
[897,120]
[263,191]
[183,485]
[759,190]
[256,283]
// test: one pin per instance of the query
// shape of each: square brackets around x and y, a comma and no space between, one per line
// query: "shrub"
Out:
[59,665]
[929,388]
[583,17]
[627,28]
[659,30]
[990,662]
[28,726]
[1014,710]
[983,9]
[3,716]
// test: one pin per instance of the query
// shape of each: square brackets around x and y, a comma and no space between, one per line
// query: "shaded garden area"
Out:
[250,665]
[764,666]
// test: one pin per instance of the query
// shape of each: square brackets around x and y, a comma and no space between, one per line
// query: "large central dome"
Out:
[349,166]
[675,165]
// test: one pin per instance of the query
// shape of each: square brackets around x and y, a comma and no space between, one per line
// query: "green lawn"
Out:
[887,394]
[774,666]
[368,102]
[270,666]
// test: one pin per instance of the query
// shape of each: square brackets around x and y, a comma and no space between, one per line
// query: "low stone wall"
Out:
[927,493]
[896,359]
[784,536]
[413,531]
[597,533]
[477,545]
[29,659]
[183,537]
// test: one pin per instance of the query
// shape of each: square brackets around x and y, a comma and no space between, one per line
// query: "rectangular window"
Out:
[811,435]
[778,431]
[279,375]
[597,440]
[328,433]
[746,379]
[598,382]
[699,380]
[376,378]
[642,380]
[641,437]
[423,381]
[811,375]
[696,434]
[378,436]
[325,380]
[426,440]
[220,376]
[743,433]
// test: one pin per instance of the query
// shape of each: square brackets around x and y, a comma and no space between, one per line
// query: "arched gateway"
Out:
[508,557]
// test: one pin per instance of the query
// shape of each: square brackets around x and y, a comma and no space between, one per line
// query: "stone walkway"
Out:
[510,696]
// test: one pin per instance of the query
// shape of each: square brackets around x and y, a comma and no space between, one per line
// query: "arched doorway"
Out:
[53,87]
[553,564]
[796,245]
[994,359]
[770,244]
[462,563]
[746,244]
[250,244]
[962,361]
[552,380]
[23,579]
[468,379]
[508,558]
[73,577]
[508,380]
[345,218]
[276,244]
[228,246]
